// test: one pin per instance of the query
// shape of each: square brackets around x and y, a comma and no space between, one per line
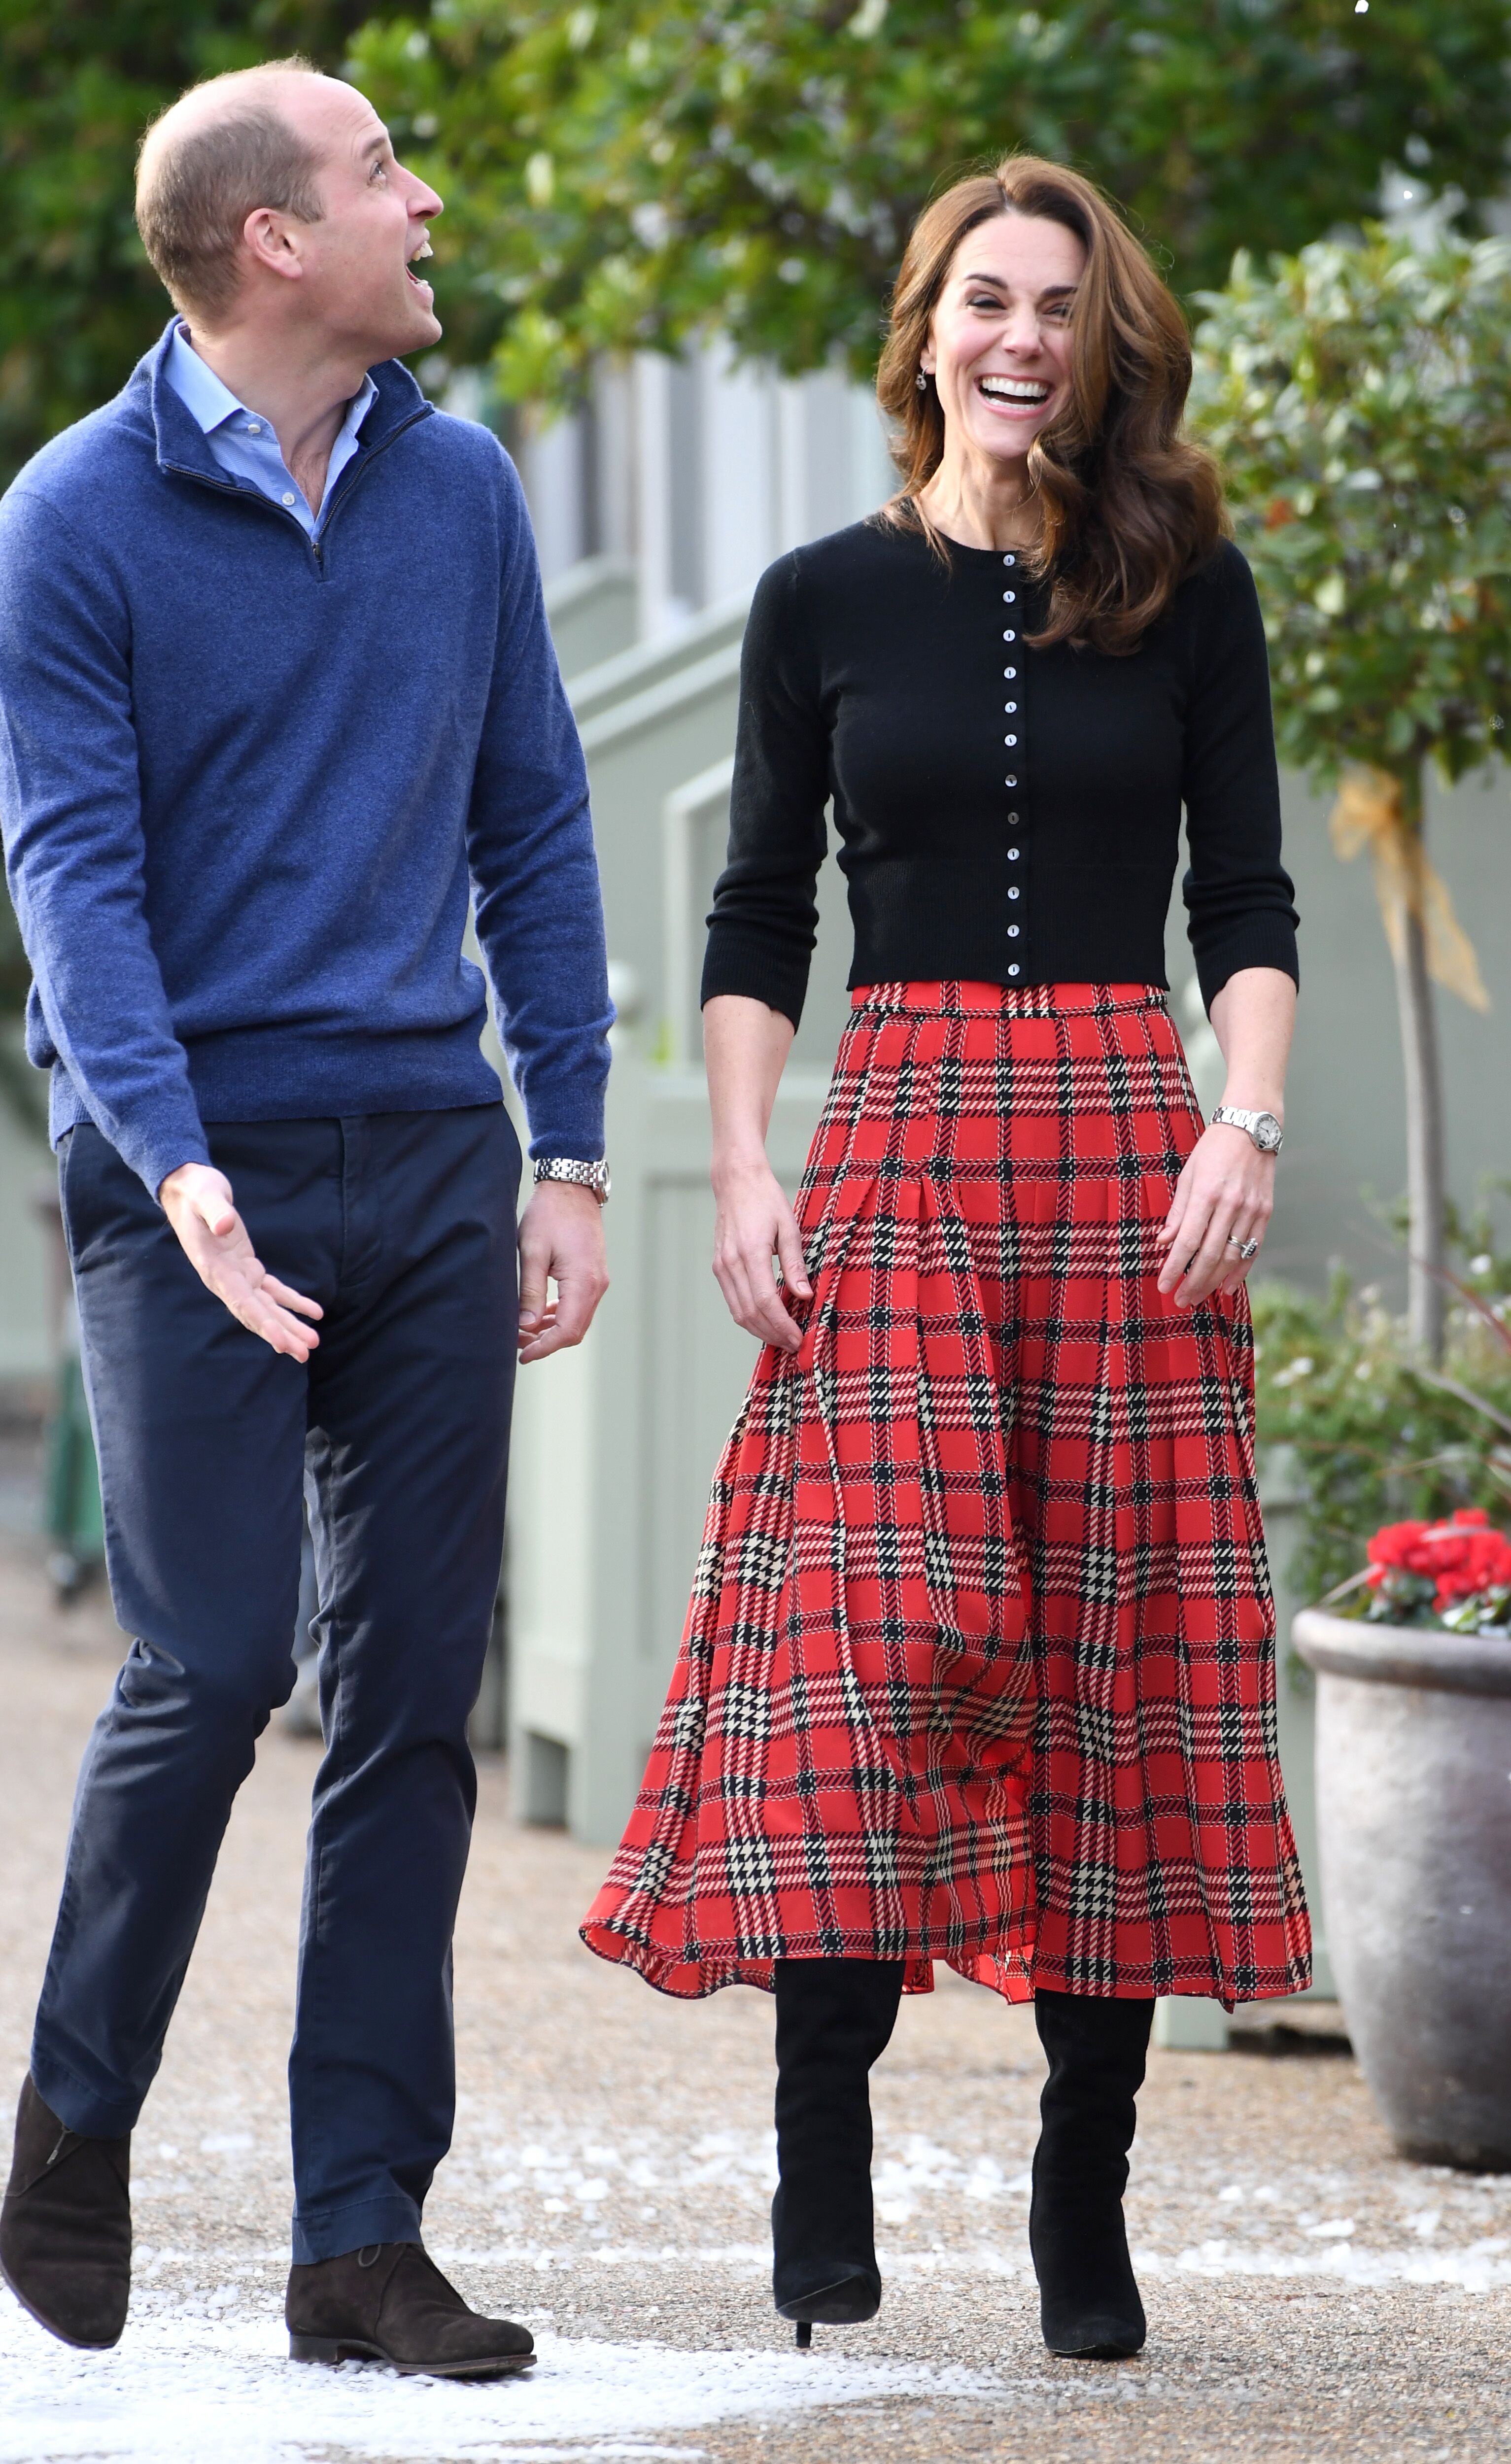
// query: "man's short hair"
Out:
[196,192]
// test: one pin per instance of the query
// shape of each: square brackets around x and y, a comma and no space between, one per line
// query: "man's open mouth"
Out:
[423,249]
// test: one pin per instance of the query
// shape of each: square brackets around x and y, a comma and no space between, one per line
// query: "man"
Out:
[275,686]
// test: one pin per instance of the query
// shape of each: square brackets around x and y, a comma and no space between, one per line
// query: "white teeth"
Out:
[425,251]
[1009,389]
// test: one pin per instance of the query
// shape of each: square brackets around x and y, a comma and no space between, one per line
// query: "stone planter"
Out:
[1414,1807]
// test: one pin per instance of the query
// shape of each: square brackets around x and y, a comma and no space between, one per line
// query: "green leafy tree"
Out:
[1379,1434]
[1360,400]
[79,83]
[622,173]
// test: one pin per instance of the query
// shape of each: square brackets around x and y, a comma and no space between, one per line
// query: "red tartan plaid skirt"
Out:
[979,1663]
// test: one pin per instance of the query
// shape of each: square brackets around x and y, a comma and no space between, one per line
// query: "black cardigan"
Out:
[1006,815]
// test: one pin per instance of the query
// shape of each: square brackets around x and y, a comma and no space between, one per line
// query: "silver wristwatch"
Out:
[587,1175]
[1262,1126]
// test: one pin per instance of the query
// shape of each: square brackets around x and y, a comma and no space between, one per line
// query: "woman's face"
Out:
[1000,344]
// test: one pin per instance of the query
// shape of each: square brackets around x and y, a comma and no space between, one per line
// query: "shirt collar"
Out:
[179,443]
[211,403]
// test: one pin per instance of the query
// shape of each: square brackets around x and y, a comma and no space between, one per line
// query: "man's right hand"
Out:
[197,1201]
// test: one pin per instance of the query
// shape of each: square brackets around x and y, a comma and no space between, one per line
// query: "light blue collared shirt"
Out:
[245,443]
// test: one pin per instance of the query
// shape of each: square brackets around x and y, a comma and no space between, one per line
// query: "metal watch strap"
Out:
[1237,1118]
[587,1175]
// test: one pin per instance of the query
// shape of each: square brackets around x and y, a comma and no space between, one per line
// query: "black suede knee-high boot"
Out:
[834,2017]
[1088,2302]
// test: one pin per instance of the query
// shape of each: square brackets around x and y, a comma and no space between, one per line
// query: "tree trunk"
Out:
[1425,1180]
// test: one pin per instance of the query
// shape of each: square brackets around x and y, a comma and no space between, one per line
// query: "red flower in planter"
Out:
[1461,1557]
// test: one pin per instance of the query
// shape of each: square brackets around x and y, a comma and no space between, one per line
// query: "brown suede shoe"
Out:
[65,2228]
[391,2304]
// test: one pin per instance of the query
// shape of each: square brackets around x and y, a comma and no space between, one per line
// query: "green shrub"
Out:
[1380,1437]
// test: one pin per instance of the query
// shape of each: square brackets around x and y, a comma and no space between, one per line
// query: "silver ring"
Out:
[1246,1250]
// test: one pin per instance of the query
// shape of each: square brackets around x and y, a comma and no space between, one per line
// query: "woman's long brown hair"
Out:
[1130,506]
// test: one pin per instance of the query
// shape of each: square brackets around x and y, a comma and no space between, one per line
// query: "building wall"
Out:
[701,470]
[26,1262]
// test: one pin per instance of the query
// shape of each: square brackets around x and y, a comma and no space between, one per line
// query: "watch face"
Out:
[1267,1130]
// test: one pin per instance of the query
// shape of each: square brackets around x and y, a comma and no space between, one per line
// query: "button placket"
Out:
[1014,818]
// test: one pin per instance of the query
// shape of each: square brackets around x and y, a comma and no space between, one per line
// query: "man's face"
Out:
[357,280]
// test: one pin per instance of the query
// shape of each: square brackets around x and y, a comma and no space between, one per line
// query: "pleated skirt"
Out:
[979,1662]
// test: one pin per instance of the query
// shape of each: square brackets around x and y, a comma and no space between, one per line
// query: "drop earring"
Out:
[921,381]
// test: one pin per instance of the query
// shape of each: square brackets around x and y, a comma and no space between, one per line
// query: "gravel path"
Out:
[1309,2296]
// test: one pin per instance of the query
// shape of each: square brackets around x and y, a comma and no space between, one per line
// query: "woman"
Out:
[979,1663]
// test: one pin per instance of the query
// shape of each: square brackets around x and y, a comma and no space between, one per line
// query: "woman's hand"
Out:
[1224,1197]
[745,1043]
[1226,1193]
[753,1224]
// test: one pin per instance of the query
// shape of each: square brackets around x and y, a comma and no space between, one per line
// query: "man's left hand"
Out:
[561,1242]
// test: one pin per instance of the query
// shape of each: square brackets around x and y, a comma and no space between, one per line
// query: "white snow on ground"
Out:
[202,2378]
[1478,2269]
[183,2389]
[1481,2267]
[197,2381]
[564,2197]
[570,2173]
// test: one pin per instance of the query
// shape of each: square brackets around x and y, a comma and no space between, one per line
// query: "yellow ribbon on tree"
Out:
[1368,814]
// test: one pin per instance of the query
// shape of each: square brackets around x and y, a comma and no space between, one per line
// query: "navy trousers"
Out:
[402,1227]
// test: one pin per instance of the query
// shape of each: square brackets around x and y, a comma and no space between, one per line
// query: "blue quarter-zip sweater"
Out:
[246,780]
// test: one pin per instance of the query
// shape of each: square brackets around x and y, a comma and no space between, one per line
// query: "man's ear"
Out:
[274,242]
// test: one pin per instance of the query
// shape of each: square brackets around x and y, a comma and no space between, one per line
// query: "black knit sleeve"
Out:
[1238,893]
[764,920]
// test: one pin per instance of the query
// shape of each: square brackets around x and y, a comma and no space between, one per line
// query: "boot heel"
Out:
[840,2305]
[315,2348]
